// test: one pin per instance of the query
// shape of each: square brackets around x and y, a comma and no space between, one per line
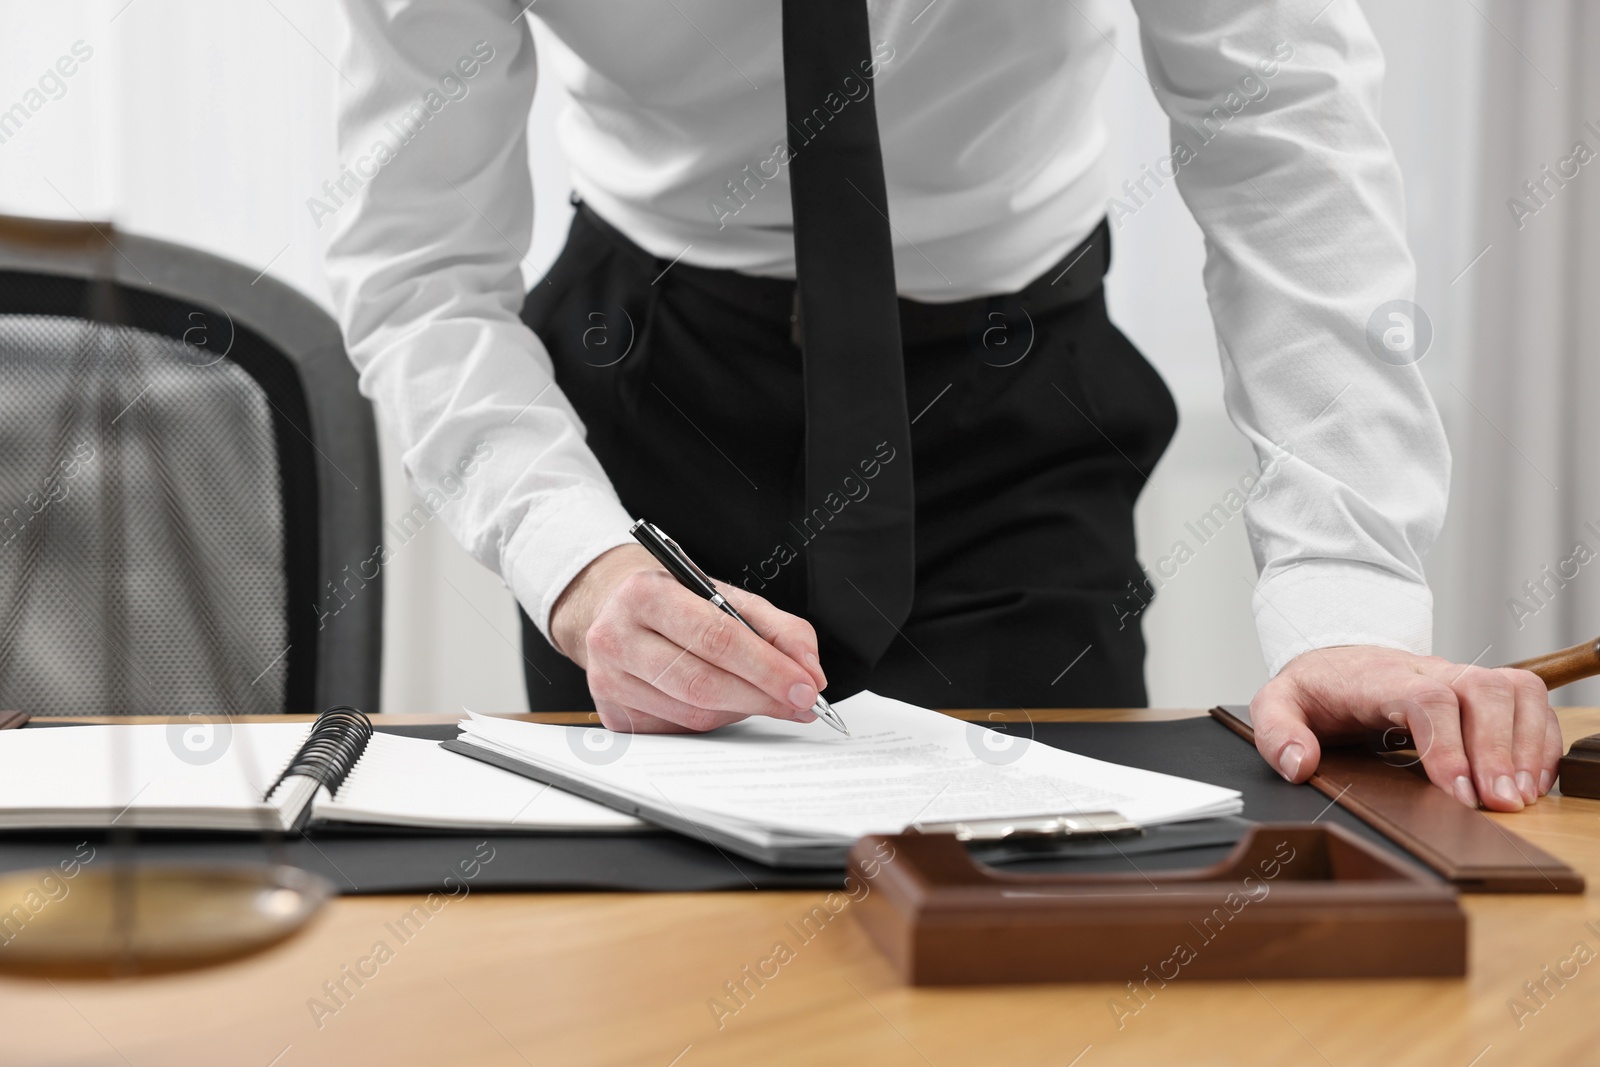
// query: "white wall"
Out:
[210,124]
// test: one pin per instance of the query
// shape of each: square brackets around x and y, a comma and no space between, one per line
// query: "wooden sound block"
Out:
[1293,900]
[1579,774]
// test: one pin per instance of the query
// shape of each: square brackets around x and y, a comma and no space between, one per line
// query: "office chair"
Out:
[190,508]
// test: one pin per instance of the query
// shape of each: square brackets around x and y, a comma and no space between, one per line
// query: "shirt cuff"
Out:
[1339,602]
[556,542]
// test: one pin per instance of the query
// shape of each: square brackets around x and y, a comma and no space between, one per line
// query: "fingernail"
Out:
[804,715]
[1506,790]
[1290,759]
[1464,792]
[816,665]
[1546,780]
[802,695]
[1525,787]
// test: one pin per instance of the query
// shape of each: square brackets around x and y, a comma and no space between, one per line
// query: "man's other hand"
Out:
[662,660]
[1485,735]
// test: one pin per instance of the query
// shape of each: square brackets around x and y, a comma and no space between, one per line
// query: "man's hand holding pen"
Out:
[662,660]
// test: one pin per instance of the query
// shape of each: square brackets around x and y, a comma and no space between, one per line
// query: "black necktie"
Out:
[861,566]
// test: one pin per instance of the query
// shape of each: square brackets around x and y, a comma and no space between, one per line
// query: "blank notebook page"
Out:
[145,775]
[406,781]
[142,775]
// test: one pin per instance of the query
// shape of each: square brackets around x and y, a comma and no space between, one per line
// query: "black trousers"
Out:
[1036,425]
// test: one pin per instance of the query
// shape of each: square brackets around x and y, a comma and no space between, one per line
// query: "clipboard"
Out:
[1078,835]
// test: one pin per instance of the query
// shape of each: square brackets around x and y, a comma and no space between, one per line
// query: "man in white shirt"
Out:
[658,369]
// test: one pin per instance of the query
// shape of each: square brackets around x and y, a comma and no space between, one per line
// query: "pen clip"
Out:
[671,555]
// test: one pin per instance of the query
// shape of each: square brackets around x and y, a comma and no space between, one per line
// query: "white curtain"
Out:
[1526,510]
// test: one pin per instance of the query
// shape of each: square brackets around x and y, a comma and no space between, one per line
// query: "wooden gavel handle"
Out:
[1566,666]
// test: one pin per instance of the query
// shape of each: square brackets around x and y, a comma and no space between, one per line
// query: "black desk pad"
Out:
[393,860]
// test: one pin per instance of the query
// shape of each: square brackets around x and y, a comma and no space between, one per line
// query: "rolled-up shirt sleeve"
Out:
[428,222]
[1279,155]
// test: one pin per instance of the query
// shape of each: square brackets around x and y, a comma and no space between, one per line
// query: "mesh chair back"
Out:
[188,479]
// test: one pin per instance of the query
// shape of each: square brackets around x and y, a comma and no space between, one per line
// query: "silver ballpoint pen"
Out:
[678,564]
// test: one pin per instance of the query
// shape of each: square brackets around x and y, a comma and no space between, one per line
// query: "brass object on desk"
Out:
[1580,767]
[125,919]
[121,917]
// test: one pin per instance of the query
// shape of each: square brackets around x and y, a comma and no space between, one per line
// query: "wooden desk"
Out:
[629,979]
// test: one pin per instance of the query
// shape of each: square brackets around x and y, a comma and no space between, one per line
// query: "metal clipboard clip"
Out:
[1041,828]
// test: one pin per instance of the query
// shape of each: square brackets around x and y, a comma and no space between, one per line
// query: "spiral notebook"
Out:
[269,776]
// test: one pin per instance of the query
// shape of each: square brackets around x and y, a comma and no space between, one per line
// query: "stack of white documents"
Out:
[780,791]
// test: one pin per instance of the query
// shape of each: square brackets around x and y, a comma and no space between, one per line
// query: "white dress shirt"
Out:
[995,153]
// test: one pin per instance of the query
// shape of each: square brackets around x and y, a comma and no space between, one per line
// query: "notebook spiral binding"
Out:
[338,738]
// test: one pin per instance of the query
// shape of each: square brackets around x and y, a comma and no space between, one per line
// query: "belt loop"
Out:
[796,333]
